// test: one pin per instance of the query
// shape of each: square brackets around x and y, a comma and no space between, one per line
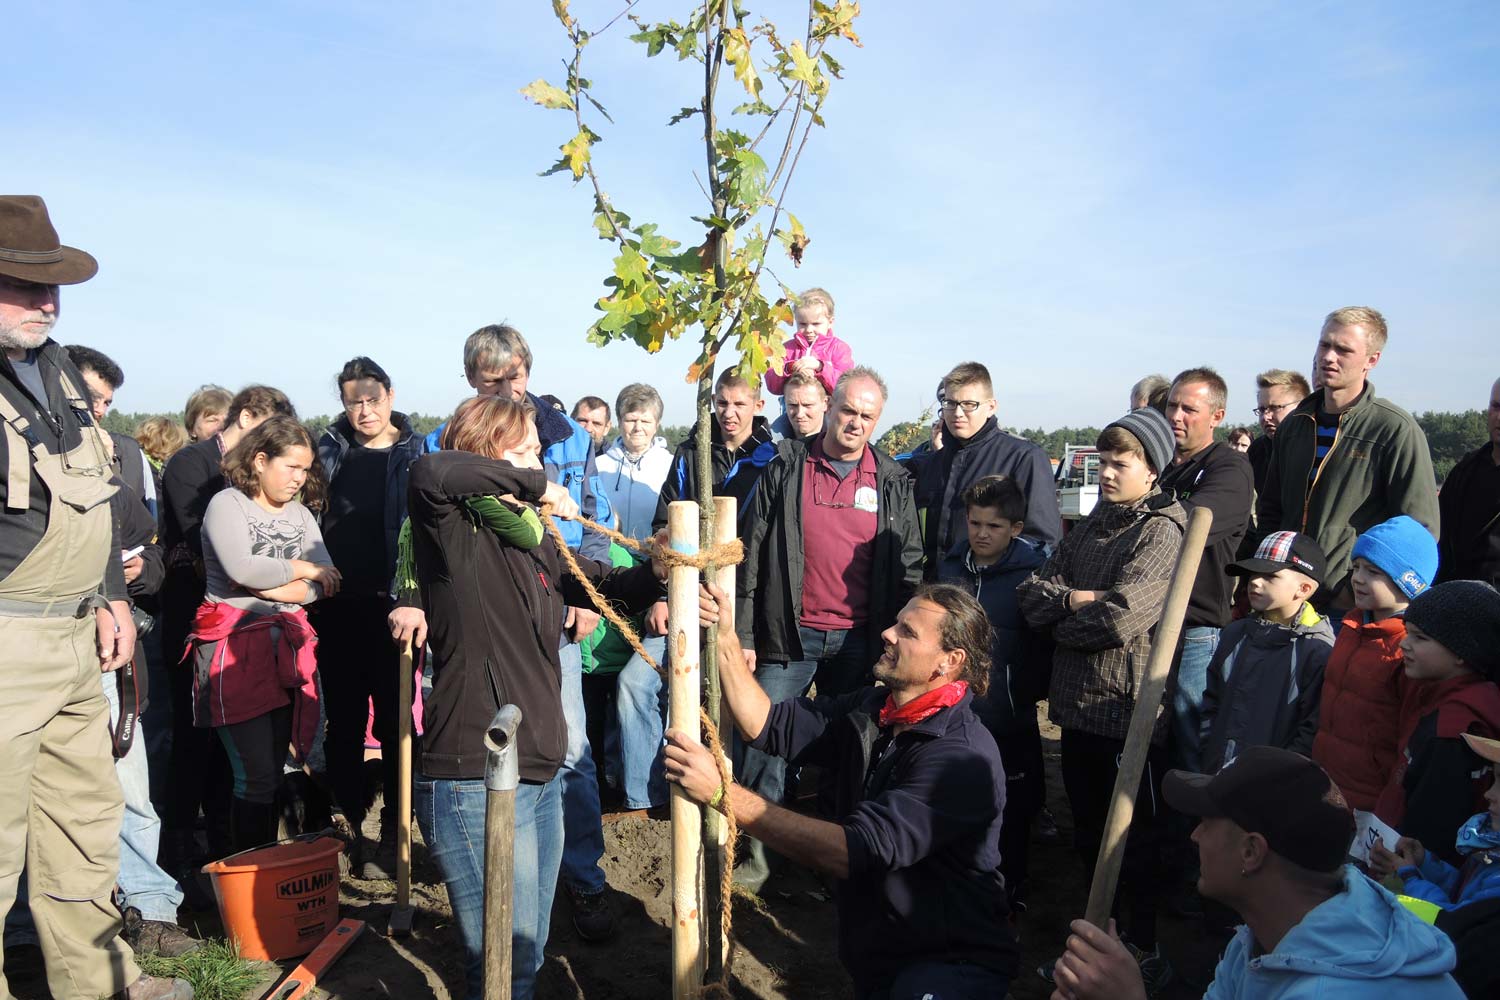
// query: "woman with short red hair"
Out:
[495,592]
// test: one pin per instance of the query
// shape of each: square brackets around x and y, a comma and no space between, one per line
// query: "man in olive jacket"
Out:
[834,551]
[1345,459]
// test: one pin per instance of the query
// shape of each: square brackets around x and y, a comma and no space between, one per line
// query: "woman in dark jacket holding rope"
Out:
[495,591]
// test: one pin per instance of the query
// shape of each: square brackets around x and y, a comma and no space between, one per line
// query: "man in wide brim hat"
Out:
[67,616]
[30,249]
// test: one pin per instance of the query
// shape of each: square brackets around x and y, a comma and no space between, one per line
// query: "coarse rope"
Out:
[722,554]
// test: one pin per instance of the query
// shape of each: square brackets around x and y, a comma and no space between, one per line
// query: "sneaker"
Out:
[593,917]
[154,988]
[156,937]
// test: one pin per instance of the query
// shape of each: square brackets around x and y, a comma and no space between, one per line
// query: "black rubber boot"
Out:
[252,824]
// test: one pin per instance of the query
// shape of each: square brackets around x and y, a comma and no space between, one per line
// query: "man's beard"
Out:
[15,339]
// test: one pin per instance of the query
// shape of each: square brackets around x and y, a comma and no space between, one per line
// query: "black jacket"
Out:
[735,473]
[60,429]
[1265,683]
[921,816]
[138,526]
[335,444]
[494,613]
[1219,478]
[944,475]
[1020,656]
[1259,456]
[771,579]
[1473,557]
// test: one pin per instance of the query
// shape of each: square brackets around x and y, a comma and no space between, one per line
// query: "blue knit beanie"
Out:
[1404,550]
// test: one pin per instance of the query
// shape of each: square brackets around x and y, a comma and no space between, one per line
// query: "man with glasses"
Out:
[1277,393]
[66,616]
[834,551]
[973,446]
[367,455]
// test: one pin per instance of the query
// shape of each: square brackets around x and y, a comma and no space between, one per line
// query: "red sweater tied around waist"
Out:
[262,662]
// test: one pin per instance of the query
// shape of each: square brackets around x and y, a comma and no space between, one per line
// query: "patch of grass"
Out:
[216,971]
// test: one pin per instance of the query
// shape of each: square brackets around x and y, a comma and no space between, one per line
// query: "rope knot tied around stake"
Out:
[728,553]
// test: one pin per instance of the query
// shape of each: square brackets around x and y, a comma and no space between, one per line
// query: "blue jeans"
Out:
[583,829]
[837,661]
[1198,645]
[142,884]
[834,659]
[451,816]
[942,981]
[640,705]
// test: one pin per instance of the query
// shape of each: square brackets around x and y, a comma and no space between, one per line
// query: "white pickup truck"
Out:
[1078,481]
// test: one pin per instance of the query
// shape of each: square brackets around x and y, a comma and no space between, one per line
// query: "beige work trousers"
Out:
[60,803]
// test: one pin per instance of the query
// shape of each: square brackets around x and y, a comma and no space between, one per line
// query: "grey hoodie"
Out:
[1264,685]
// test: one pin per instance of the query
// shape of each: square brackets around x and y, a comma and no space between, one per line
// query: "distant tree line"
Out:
[1450,435]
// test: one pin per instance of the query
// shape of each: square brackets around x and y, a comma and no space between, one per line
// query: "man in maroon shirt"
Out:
[834,552]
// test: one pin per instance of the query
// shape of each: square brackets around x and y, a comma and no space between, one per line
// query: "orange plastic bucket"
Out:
[279,901]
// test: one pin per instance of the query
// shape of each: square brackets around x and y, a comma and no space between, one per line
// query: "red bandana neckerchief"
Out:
[924,706]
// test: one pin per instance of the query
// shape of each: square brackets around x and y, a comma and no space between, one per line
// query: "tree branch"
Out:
[612,20]
[574,77]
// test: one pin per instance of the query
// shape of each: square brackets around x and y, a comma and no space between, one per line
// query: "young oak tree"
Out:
[711,283]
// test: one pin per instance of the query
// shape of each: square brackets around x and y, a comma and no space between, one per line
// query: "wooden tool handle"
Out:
[1143,718]
[403,782]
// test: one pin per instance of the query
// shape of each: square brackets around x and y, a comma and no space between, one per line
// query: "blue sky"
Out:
[1074,194]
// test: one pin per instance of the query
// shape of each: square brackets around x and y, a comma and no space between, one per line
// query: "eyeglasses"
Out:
[967,405]
[369,402]
[835,504]
[1261,411]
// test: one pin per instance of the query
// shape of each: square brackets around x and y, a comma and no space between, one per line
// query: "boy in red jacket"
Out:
[1452,656]
[1359,718]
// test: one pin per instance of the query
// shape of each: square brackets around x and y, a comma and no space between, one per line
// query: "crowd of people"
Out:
[245,590]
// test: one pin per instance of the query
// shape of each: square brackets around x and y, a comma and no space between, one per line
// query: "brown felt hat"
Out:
[30,250]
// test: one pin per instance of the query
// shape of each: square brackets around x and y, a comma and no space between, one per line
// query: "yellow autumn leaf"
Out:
[545,94]
[805,69]
[576,152]
[842,20]
[560,8]
[737,53]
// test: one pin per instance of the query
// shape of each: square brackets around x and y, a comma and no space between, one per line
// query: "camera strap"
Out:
[122,734]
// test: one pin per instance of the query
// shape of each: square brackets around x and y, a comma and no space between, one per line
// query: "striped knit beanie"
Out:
[1152,430]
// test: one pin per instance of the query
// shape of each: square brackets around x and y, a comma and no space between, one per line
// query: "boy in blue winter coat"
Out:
[989,563]
[1431,878]
[1266,676]
[1467,897]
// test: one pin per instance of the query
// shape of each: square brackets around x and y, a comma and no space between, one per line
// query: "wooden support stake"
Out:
[1143,719]
[682,715]
[401,914]
[715,830]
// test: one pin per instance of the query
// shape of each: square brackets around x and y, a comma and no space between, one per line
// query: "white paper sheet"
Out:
[1367,830]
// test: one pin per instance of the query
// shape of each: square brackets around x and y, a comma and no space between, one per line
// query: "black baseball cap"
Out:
[1281,795]
[1284,550]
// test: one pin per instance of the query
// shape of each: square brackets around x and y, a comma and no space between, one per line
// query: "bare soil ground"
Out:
[785,939]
